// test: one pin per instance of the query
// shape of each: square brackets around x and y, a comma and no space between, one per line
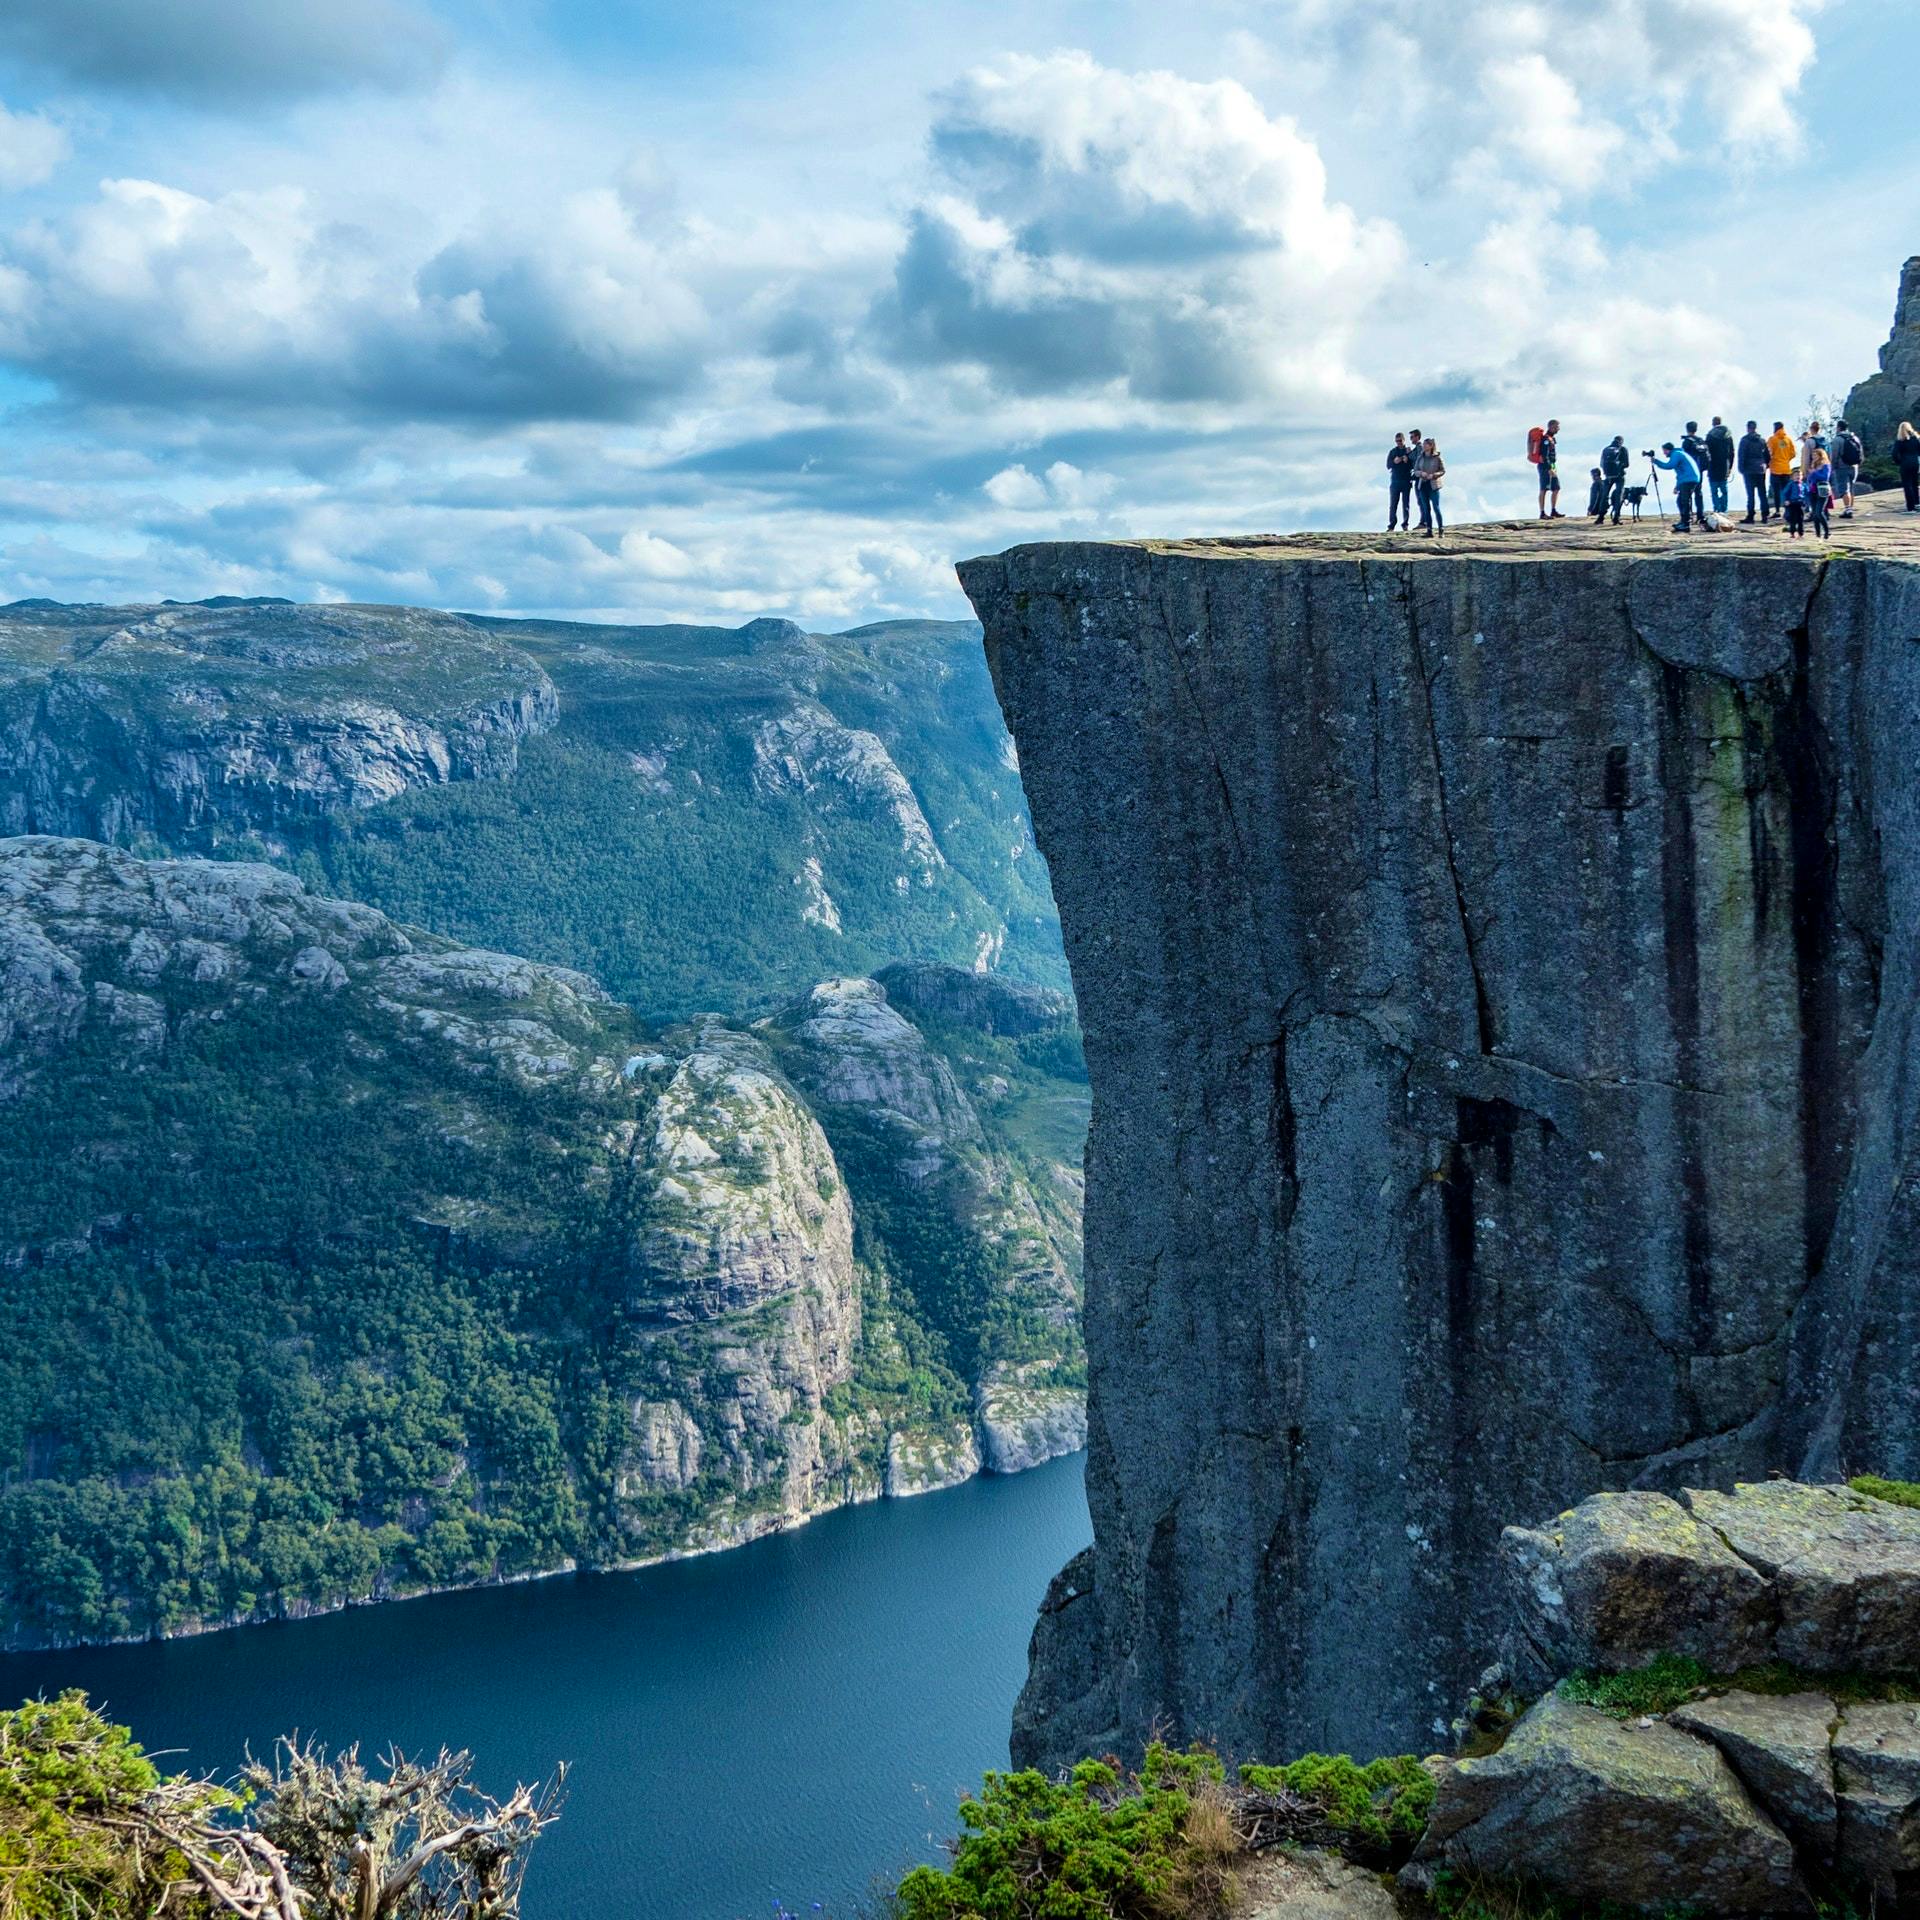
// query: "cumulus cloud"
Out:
[152,296]
[1061,486]
[227,52]
[1161,237]
[31,146]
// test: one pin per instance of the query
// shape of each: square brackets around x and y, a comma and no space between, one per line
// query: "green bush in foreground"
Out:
[1096,1846]
[90,1829]
[1384,1804]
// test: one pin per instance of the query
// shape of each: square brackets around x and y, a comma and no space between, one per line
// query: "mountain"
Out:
[702,818]
[346,1259]
[1549,1120]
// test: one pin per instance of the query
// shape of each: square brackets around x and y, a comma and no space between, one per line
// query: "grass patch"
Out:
[1671,1679]
[1898,1493]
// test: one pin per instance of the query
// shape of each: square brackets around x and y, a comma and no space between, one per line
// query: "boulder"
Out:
[1626,1576]
[1587,1808]
[1876,1757]
[1844,1569]
[1781,1747]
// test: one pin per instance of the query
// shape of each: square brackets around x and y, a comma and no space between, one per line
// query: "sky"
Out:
[619,310]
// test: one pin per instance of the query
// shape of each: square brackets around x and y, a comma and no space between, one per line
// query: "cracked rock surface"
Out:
[1496,958]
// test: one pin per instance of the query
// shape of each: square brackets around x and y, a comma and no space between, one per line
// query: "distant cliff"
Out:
[344,1260]
[1497,964]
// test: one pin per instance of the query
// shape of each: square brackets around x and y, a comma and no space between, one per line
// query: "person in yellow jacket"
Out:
[1782,453]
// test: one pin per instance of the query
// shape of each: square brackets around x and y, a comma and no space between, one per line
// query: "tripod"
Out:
[1653,480]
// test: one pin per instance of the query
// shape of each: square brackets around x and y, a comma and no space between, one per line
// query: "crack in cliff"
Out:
[1200,715]
[1482,1004]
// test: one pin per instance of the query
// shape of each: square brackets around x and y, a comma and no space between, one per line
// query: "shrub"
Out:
[1099,1845]
[1383,1805]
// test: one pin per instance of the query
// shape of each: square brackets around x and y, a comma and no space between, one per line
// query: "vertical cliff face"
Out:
[1497,975]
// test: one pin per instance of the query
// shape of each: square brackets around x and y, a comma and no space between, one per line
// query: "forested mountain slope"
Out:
[346,1259]
[702,818]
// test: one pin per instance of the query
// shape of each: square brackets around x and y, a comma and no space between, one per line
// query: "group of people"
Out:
[1415,471]
[1800,479]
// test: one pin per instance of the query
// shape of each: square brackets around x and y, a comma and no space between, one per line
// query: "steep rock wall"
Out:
[1497,976]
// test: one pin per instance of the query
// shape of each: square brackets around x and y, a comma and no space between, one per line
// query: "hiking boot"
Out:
[1556,514]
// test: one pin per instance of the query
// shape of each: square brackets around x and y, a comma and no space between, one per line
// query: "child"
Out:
[1597,494]
[1820,494]
[1793,506]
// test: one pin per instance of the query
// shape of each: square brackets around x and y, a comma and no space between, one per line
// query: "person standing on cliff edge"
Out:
[1719,461]
[1428,472]
[1546,456]
[1614,462]
[1782,456]
[1754,461]
[1686,484]
[1906,456]
[1400,484]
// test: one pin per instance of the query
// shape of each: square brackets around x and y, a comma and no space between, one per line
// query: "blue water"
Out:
[791,1721]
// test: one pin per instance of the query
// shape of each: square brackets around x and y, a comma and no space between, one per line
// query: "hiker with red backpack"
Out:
[1543,453]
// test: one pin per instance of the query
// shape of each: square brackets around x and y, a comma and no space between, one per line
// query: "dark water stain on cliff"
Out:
[1680,939]
[1814,891]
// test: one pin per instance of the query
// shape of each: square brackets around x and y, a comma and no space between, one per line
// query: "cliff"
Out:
[1879,403]
[344,1260]
[1497,967]
[191,724]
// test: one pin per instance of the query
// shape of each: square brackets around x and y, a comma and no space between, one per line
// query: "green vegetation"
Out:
[643,842]
[1101,1845]
[1670,1679]
[1382,1806]
[91,1830]
[1458,1896]
[1902,1493]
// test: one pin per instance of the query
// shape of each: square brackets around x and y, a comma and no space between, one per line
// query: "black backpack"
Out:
[1852,453]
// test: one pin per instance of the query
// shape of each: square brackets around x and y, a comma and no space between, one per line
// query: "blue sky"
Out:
[612,309]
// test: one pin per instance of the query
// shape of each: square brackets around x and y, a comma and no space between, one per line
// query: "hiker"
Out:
[1719,462]
[1849,456]
[1597,495]
[1428,472]
[1819,488]
[1614,462]
[1695,448]
[1753,461]
[1400,485]
[1906,456]
[1793,506]
[1780,459]
[1813,448]
[1686,484]
[1543,451]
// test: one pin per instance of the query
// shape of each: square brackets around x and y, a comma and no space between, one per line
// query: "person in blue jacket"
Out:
[1686,484]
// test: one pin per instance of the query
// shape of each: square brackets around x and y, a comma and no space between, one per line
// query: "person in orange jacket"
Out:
[1782,455]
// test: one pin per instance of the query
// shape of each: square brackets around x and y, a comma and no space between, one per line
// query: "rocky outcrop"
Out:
[202,723]
[1750,1790]
[973,999]
[1876,407]
[1498,973]
[1024,1421]
[1822,1578]
[1646,1817]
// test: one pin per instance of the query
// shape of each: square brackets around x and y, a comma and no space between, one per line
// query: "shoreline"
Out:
[313,1610]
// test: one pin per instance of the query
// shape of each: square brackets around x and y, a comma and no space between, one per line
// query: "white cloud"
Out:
[150,295]
[1161,237]
[31,147]
[1062,486]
